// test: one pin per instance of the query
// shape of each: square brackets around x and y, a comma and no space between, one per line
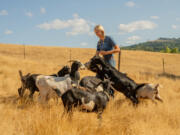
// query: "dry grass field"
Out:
[22,117]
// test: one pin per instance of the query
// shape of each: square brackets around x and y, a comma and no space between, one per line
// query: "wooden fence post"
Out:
[119,60]
[163,66]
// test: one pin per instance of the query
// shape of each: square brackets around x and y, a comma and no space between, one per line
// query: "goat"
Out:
[91,102]
[47,84]
[149,91]
[28,81]
[122,82]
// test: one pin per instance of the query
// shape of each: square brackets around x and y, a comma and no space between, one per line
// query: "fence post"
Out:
[163,66]
[119,60]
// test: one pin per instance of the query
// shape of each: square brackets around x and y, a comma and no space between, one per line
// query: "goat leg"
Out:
[132,98]
[99,117]
[154,101]
[69,112]
[31,94]
[67,109]
[63,113]
[19,91]
[158,98]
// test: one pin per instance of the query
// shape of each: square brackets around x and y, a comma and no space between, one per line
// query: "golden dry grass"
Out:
[21,117]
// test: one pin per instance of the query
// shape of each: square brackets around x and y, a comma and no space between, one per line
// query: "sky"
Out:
[71,22]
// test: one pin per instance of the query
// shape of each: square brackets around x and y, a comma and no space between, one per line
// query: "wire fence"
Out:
[166,66]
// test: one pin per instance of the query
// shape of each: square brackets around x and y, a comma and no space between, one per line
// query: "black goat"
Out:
[91,102]
[121,81]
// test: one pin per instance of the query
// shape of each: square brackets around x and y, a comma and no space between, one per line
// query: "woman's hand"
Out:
[115,50]
[103,52]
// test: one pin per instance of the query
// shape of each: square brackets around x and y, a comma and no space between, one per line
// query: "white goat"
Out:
[47,85]
[150,91]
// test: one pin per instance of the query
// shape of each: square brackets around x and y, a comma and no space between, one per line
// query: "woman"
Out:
[106,46]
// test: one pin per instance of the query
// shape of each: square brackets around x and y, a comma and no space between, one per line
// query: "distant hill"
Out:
[156,45]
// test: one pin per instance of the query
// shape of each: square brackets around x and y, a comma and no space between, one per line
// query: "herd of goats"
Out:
[91,93]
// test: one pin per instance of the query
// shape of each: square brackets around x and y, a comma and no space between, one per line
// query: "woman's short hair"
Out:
[99,28]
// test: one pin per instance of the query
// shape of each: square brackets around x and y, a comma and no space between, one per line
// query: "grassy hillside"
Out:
[156,45]
[22,117]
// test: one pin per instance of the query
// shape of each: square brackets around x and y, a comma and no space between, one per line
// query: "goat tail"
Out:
[20,74]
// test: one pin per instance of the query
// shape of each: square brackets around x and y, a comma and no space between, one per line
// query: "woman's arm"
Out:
[115,50]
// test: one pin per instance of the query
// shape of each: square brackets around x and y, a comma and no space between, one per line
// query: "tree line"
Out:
[169,50]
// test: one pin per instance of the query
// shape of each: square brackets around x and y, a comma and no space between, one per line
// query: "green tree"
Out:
[175,50]
[167,50]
